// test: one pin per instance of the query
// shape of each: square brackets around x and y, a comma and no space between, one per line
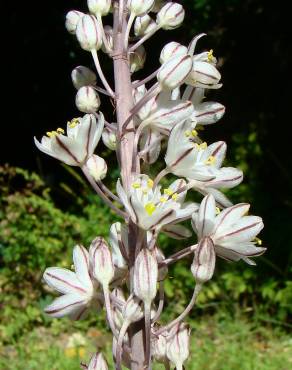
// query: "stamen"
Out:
[210,56]
[218,210]
[136,185]
[188,133]
[73,123]
[174,196]
[168,191]
[258,241]
[150,183]
[150,208]
[60,130]
[145,191]
[194,133]
[163,199]
[52,133]
[211,160]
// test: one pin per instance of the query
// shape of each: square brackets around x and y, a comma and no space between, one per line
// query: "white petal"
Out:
[176,186]
[177,231]
[81,263]
[226,177]
[63,280]
[245,249]
[124,199]
[65,149]
[206,216]
[229,216]
[67,304]
[217,150]
[246,229]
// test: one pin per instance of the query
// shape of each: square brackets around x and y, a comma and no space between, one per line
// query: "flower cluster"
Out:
[162,123]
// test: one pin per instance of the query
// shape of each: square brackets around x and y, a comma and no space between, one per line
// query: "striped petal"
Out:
[177,231]
[67,304]
[81,263]
[63,280]
[229,216]
[206,216]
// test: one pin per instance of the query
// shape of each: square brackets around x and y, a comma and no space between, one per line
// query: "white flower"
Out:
[97,167]
[175,71]
[170,16]
[144,25]
[204,74]
[99,7]
[152,209]
[77,287]
[72,19]
[140,7]
[178,343]
[88,32]
[232,232]
[87,99]
[83,135]
[172,49]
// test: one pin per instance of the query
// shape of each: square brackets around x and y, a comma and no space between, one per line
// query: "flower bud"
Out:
[102,263]
[97,167]
[159,348]
[87,100]
[97,362]
[140,7]
[88,33]
[178,340]
[144,25]
[109,139]
[203,73]
[72,19]
[172,49]
[83,76]
[174,72]
[204,261]
[170,16]
[158,5]
[145,276]
[137,59]
[99,7]
[132,311]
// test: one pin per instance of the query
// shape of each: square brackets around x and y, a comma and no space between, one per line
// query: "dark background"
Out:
[250,38]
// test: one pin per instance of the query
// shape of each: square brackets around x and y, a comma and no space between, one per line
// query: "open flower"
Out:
[151,208]
[232,232]
[77,287]
[187,158]
[83,135]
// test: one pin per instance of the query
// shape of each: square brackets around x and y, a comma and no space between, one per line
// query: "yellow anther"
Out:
[203,145]
[52,133]
[188,133]
[150,183]
[258,241]
[218,210]
[194,133]
[210,55]
[145,191]
[174,196]
[136,185]
[168,191]
[211,160]
[60,130]
[150,208]
[163,199]
[73,123]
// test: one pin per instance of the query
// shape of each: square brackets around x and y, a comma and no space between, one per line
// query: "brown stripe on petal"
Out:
[226,180]
[66,282]
[186,105]
[204,214]
[84,255]
[206,74]
[227,213]
[88,136]
[177,66]
[210,112]
[181,157]
[65,149]
[240,230]
[215,152]
[62,308]
[164,217]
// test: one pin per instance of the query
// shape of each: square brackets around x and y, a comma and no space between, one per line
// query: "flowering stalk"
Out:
[172,111]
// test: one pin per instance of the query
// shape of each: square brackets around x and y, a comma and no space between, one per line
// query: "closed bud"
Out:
[72,19]
[97,362]
[137,59]
[203,74]
[158,344]
[87,100]
[96,167]
[158,5]
[88,33]
[132,311]
[178,341]
[102,263]
[172,49]
[140,7]
[83,76]
[145,276]
[99,7]
[109,139]
[170,16]
[174,72]
[144,25]
[204,261]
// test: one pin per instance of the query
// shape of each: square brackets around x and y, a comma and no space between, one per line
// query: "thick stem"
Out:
[124,105]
